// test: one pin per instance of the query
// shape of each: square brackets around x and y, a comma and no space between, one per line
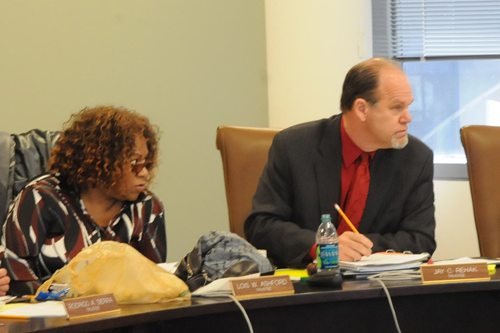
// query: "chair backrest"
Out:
[482,148]
[244,152]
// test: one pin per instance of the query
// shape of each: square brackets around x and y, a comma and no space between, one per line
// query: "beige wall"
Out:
[189,65]
[310,47]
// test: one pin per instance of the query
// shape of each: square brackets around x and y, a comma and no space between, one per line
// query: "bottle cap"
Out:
[326,217]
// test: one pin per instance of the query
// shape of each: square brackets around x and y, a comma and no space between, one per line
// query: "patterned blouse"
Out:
[47,225]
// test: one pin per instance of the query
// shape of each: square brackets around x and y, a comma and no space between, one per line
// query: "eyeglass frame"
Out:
[138,166]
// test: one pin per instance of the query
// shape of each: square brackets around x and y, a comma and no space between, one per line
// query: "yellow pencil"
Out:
[13,317]
[346,219]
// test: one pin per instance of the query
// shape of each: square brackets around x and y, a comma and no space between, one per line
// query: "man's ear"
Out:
[360,108]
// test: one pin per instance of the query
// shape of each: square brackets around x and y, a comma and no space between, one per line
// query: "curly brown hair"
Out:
[97,142]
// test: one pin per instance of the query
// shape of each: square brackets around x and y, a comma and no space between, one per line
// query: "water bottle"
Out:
[327,252]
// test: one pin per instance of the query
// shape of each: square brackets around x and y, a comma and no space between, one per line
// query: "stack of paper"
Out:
[220,286]
[489,261]
[381,262]
[33,310]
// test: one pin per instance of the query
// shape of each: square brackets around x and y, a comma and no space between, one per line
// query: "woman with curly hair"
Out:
[96,190]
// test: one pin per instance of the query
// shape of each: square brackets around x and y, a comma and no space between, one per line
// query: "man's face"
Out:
[388,119]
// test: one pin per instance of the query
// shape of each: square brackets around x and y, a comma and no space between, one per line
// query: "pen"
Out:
[346,219]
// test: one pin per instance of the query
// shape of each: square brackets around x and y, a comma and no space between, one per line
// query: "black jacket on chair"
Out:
[22,158]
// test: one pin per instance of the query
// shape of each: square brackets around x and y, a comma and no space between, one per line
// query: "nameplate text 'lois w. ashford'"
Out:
[263,286]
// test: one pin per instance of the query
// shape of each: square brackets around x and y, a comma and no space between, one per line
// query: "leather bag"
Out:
[220,254]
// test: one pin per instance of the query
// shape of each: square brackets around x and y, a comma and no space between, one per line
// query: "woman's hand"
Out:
[4,282]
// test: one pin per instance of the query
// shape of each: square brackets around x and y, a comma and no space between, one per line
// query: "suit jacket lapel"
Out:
[381,173]
[328,167]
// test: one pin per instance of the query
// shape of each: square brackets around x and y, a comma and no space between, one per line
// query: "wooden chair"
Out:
[244,152]
[482,148]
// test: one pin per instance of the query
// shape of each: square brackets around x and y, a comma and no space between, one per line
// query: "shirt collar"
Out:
[350,152]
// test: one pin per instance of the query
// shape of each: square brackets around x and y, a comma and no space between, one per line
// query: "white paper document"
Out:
[489,261]
[170,267]
[379,262]
[220,286]
[42,309]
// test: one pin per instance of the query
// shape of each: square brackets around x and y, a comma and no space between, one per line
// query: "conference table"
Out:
[360,305]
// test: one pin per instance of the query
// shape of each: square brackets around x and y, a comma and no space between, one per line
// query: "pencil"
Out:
[346,219]
[13,317]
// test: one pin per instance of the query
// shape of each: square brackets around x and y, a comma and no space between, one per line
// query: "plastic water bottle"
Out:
[327,252]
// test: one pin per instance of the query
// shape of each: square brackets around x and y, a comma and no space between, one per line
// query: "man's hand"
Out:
[4,281]
[353,246]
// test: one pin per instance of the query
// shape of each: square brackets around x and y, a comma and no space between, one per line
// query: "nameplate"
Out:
[460,272]
[263,286]
[91,306]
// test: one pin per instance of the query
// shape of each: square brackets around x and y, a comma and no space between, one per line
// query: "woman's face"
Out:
[135,173]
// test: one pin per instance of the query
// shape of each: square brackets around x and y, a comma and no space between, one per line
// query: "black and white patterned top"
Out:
[47,225]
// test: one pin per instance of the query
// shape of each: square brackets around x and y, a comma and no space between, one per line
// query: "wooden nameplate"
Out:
[460,272]
[263,286]
[90,306]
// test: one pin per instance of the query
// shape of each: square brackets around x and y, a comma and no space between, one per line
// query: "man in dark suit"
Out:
[312,166]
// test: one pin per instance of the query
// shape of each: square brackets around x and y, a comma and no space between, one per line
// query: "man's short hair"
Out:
[362,81]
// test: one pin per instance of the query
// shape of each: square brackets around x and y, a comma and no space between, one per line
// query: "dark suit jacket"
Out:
[301,181]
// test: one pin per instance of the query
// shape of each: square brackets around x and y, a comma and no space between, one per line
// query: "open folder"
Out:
[381,262]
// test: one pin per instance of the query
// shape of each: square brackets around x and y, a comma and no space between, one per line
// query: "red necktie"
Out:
[356,197]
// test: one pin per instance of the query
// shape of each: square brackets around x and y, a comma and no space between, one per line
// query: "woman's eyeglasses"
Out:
[138,166]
